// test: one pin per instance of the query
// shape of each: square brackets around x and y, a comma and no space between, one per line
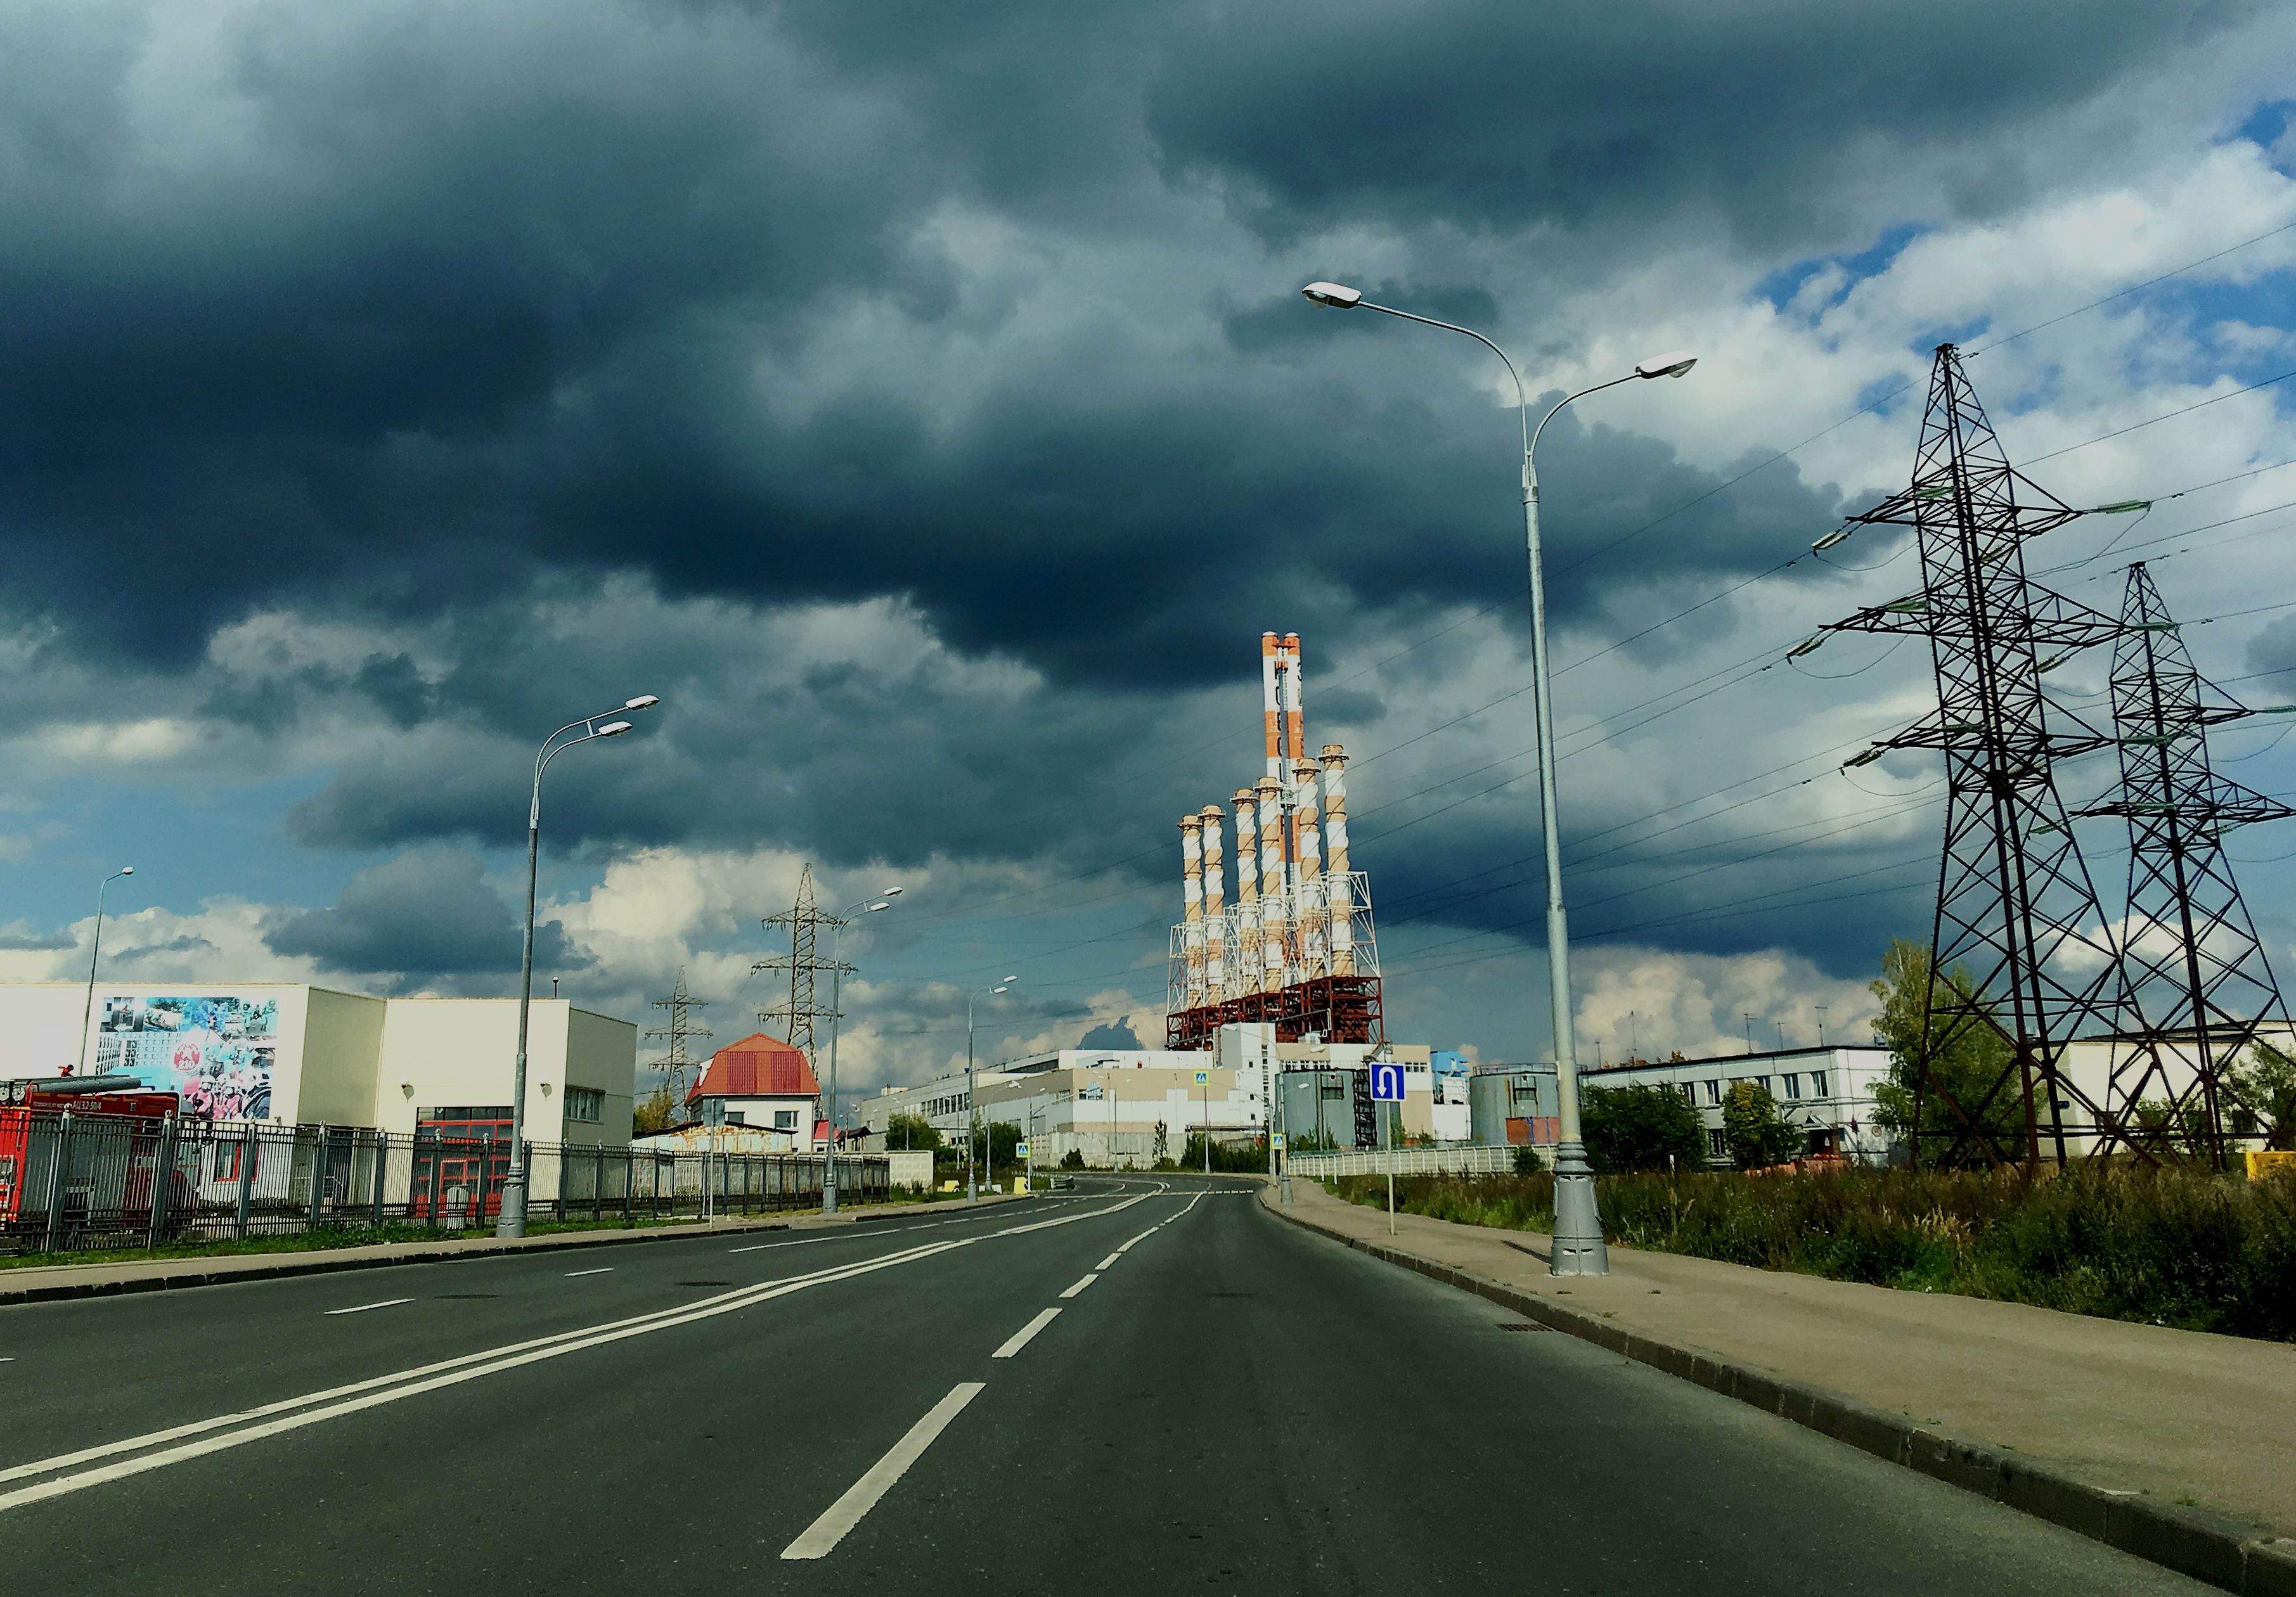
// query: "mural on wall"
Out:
[215,1050]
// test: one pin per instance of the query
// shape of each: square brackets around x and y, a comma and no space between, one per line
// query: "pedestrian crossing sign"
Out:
[1203,1078]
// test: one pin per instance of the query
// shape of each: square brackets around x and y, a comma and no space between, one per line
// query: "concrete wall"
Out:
[341,1048]
[601,1053]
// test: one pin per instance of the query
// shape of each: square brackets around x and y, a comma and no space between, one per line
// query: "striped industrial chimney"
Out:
[1310,839]
[1247,893]
[1191,900]
[1215,907]
[1275,902]
[1271,711]
[1338,890]
[1295,727]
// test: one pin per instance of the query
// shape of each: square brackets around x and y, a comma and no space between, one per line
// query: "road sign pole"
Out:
[1386,1135]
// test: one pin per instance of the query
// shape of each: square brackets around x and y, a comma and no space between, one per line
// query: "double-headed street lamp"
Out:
[860,906]
[95,947]
[971,1115]
[1578,1249]
[511,1221]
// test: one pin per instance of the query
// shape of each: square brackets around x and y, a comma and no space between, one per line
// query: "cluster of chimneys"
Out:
[1293,918]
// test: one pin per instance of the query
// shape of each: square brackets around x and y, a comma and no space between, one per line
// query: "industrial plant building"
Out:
[289,1053]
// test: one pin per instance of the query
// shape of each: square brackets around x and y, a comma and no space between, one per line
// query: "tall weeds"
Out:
[2178,1248]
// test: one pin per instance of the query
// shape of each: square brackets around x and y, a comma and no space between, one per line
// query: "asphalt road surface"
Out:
[1145,1387]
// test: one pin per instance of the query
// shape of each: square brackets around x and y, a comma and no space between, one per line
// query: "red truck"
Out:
[118,1128]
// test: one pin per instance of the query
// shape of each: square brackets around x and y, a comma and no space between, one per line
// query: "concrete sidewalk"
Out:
[99,1278]
[2177,1446]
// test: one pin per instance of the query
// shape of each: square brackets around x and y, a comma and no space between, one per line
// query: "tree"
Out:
[1640,1127]
[1967,1067]
[1755,1135]
[1527,1161]
[653,1111]
[1073,1159]
[911,1133]
[1163,1148]
[2264,1098]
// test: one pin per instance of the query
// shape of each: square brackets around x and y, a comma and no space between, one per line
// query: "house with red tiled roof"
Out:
[762,1081]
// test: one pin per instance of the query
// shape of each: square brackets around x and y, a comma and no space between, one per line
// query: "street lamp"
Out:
[511,1221]
[836,982]
[95,947]
[971,1115]
[1578,1249]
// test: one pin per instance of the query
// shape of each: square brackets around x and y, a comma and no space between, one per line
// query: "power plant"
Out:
[1296,950]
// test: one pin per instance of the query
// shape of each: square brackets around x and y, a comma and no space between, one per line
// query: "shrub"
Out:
[1073,1159]
[2186,1248]
[1641,1127]
[1754,1130]
[1527,1161]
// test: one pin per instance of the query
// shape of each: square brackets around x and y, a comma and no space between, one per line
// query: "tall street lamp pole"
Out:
[96,948]
[511,1221]
[836,984]
[972,1115]
[1578,1249]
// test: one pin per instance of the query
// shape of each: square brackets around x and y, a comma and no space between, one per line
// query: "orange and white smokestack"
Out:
[1215,907]
[1275,902]
[1271,709]
[1247,892]
[1191,900]
[1312,923]
[1339,888]
[1295,728]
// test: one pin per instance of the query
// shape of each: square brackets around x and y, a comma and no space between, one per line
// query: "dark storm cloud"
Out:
[1318,112]
[425,914]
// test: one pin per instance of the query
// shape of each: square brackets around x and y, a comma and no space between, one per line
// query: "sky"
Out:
[919,400]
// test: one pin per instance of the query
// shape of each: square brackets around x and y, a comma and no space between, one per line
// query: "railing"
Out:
[85,1182]
[1470,1161]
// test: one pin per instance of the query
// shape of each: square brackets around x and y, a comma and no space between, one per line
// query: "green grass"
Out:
[2188,1248]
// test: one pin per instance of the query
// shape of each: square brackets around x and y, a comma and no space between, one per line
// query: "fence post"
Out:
[318,1172]
[381,1169]
[598,1185]
[560,1213]
[629,1181]
[250,1145]
[438,1181]
[163,1177]
[59,1172]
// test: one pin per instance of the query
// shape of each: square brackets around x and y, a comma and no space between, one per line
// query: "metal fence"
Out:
[1468,1160]
[75,1182]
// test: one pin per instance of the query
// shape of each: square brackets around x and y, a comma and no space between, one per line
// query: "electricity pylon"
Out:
[799,1012]
[2016,906]
[2193,958]
[677,1063]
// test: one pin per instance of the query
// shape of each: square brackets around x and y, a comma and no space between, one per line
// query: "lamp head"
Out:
[1673,363]
[643,701]
[1011,978]
[613,729]
[1336,295]
[873,908]
[996,990]
[126,870]
[890,893]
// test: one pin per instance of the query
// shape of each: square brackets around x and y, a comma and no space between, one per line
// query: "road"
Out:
[1220,1402]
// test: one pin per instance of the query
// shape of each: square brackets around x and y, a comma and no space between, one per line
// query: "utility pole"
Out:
[677,1063]
[1821,1009]
[1750,1036]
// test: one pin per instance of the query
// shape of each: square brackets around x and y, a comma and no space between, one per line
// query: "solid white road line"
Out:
[601,1270]
[1106,1263]
[405,1383]
[1142,1237]
[842,1515]
[1080,1285]
[1021,1338]
[361,1308]
[806,1242]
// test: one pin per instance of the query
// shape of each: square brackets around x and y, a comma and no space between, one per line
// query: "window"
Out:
[227,1160]
[737,1117]
[1689,1091]
[1713,1092]
[586,1104]
[785,1120]
[1794,1083]
[1817,1083]
[1714,1144]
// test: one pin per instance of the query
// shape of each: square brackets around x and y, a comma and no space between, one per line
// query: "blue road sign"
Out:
[1386,1083]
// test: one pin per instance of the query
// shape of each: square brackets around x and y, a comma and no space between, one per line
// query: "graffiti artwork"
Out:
[214,1050]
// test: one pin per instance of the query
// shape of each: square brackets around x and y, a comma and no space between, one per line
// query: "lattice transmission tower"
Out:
[2016,906]
[799,1012]
[677,1064]
[2192,956]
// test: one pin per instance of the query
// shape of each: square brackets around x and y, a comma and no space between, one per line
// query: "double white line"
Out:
[58,1475]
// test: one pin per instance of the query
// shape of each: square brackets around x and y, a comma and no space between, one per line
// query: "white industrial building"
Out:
[1108,1103]
[1827,1091]
[290,1054]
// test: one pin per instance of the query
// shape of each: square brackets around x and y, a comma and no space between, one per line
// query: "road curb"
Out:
[2207,1547]
[319,1262]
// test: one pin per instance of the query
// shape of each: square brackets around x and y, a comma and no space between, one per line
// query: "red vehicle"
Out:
[112,1171]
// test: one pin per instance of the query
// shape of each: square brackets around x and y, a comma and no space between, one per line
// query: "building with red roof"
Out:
[762,1081]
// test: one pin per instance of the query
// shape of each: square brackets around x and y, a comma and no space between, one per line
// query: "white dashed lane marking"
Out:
[1021,1338]
[362,1307]
[1080,1285]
